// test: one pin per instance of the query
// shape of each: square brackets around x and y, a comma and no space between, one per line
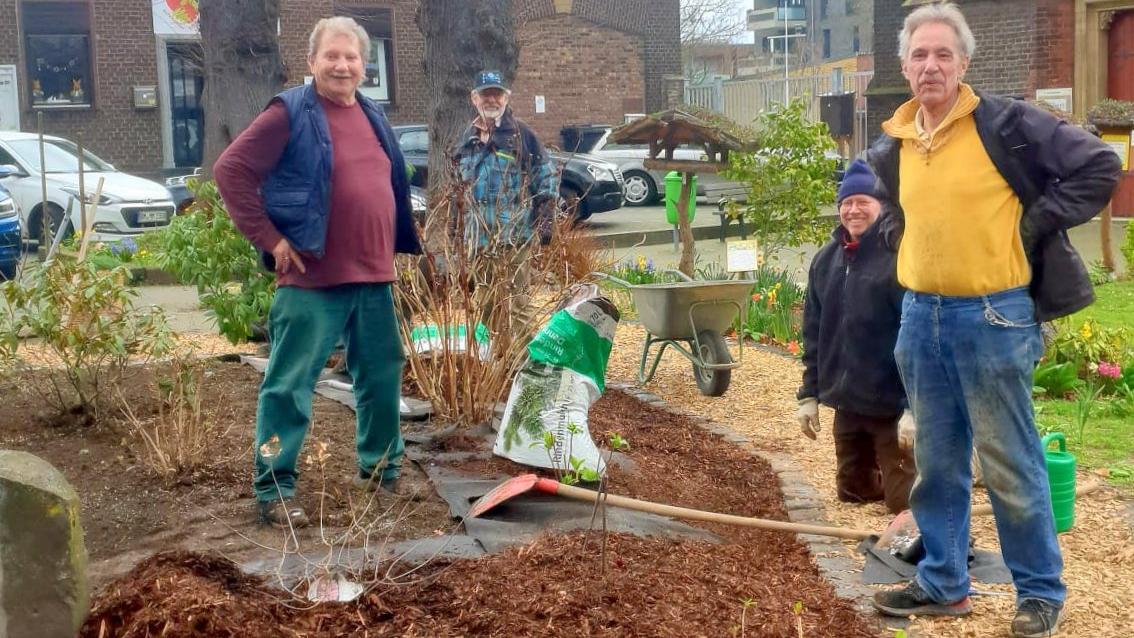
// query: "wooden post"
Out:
[684,226]
[44,214]
[1104,232]
[82,189]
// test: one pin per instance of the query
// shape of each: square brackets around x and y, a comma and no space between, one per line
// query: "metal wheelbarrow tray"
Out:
[692,317]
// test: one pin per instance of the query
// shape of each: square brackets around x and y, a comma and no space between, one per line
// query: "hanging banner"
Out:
[175,17]
[9,99]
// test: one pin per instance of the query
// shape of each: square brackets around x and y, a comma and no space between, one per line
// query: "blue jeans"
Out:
[967,365]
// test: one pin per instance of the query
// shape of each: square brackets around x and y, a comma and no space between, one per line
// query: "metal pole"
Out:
[45,215]
[787,91]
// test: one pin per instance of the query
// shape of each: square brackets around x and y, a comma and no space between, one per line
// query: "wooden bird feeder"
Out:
[663,133]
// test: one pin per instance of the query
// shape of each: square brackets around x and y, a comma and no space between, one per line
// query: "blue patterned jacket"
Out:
[511,183]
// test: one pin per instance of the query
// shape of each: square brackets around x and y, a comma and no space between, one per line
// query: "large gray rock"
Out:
[43,561]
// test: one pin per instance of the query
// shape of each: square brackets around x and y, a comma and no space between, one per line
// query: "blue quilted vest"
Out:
[297,193]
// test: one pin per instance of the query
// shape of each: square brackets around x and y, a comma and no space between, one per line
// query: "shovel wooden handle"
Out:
[551,486]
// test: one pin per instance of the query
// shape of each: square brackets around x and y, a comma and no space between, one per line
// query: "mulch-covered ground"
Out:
[1098,552]
[749,585]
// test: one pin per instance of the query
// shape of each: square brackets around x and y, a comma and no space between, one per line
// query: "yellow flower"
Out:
[1085,331]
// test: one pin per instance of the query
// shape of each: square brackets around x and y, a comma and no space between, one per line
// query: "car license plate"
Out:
[151,216]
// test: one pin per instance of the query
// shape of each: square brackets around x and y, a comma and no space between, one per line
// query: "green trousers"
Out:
[304,326]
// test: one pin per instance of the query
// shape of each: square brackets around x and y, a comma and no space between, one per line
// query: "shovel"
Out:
[903,525]
[531,483]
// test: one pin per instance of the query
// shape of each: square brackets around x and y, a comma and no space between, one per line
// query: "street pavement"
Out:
[626,234]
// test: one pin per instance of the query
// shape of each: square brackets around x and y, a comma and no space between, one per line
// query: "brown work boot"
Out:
[390,487]
[279,512]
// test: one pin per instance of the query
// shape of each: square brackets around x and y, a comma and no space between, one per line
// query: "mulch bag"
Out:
[552,393]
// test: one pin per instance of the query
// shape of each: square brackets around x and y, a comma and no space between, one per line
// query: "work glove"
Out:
[808,416]
[907,430]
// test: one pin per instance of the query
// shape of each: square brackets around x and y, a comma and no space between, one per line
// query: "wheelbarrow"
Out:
[691,317]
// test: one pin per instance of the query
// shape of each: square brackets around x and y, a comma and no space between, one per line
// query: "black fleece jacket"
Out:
[850,325]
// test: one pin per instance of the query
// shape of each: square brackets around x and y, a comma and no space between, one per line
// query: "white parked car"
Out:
[128,205]
[645,186]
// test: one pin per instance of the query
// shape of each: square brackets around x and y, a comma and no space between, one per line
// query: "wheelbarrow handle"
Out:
[680,275]
[610,277]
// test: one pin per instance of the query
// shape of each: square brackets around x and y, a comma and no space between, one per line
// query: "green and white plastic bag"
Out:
[427,339]
[553,392]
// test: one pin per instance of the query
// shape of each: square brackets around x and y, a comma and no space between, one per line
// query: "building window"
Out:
[57,47]
[823,8]
[826,44]
[857,43]
[379,25]
[850,7]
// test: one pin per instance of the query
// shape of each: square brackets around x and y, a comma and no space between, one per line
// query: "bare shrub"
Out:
[459,285]
[176,440]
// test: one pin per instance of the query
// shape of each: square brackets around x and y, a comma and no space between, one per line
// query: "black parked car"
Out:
[183,199]
[593,184]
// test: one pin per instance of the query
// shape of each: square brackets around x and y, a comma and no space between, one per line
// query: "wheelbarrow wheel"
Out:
[714,350]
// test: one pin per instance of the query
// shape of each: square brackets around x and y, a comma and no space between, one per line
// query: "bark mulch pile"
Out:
[1098,552]
[562,585]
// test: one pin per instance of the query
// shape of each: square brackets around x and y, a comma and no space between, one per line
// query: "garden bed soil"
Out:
[747,585]
[128,513]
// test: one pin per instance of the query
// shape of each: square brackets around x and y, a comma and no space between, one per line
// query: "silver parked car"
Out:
[643,186]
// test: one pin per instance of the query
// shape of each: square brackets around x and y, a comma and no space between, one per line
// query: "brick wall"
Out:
[610,57]
[587,73]
[1054,45]
[1005,35]
[124,56]
[410,99]
[1022,45]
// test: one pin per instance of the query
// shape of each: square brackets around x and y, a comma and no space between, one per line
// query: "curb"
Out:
[803,504]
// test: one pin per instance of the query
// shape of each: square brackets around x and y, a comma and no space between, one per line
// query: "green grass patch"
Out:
[1114,307]
[1107,440]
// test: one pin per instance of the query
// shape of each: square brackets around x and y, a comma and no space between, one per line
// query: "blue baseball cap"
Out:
[490,80]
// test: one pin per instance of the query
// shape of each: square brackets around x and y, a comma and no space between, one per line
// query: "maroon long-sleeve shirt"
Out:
[360,229]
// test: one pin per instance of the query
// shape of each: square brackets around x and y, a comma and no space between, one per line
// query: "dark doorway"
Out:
[185,84]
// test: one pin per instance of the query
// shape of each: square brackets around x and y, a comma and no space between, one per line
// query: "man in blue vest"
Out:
[317,182]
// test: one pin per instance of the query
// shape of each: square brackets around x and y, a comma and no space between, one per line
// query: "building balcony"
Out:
[772,19]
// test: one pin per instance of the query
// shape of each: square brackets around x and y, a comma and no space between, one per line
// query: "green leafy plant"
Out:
[745,604]
[203,248]
[1099,273]
[87,319]
[790,181]
[775,309]
[1055,380]
[1090,342]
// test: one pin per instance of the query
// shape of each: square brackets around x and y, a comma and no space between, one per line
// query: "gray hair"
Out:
[336,25]
[941,12]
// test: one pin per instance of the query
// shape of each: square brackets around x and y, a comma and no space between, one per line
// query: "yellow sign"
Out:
[742,255]
[1120,144]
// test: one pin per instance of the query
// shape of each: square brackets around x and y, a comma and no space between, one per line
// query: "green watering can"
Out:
[1061,478]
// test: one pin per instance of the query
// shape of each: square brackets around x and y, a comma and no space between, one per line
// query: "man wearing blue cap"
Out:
[512,189]
[850,324]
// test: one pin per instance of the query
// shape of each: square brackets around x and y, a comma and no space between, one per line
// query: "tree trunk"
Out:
[684,227]
[462,37]
[243,67]
[1107,249]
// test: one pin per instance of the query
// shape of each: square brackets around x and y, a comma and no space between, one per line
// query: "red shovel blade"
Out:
[511,488]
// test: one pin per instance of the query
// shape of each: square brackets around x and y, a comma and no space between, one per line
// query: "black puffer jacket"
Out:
[1063,176]
[850,324]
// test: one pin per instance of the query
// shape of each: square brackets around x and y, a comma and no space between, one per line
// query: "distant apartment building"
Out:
[812,32]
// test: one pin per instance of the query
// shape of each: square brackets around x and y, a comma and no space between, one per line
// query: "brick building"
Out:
[1070,52]
[120,74]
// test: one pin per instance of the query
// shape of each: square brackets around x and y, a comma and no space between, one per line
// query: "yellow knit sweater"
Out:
[962,234]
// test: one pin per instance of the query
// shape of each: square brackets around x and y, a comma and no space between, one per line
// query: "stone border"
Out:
[804,505]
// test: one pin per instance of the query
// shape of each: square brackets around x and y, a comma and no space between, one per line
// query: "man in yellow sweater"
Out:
[980,193]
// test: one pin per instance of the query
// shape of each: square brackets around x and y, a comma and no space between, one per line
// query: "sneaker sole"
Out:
[1043,634]
[959,608]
